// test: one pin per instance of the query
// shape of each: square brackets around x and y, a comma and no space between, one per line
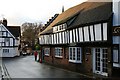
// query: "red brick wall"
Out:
[64,61]
[88,60]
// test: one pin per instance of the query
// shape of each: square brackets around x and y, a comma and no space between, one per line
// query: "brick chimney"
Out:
[5,22]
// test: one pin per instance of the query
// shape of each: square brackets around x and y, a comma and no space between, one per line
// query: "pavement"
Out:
[26,68]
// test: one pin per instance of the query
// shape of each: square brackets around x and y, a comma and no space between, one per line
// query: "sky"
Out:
[18,12]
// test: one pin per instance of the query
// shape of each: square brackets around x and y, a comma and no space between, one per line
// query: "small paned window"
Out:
[58,52]
[5,50]
[75,55]
[47,51]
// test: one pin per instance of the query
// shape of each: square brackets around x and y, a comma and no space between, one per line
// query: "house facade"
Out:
[9,40]
[84,38]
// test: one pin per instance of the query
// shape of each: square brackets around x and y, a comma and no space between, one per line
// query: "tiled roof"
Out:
[47,32]
[87,13]
[15,30]
[97,14]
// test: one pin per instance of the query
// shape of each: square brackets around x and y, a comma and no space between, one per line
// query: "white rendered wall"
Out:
[116,11]
[12,52]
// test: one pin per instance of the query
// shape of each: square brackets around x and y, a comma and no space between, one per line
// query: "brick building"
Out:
[85,38]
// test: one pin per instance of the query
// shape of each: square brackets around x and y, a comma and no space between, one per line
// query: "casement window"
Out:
[59,27]
[58,52]
[75,54]
[47,51]
[5,50]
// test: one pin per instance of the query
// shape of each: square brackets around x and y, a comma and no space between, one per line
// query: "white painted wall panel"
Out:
[86,34]
[12,52]
[63,37]
[52,39]
[116,11]
[104,31]
[91,33]
[76,35]
[11,41]
[71,37]
[4,33]
[55,38]
[66,37]
[98,36]
[80,35]
[3,29]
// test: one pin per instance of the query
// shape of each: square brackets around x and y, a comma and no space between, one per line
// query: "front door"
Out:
[100,61]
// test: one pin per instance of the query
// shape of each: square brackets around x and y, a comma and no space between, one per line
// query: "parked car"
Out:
[24,53]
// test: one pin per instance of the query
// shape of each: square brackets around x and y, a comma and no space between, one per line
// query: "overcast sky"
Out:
[20,11]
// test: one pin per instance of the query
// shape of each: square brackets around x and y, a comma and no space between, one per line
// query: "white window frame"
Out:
[76,55]
[60,27]
[58,52]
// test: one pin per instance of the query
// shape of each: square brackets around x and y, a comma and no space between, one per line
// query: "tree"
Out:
[30,32]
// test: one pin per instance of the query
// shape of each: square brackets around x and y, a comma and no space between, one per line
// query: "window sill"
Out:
[58,56]
[74,61]
[47,55]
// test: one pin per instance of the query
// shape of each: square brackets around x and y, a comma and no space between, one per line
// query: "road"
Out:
[26,67]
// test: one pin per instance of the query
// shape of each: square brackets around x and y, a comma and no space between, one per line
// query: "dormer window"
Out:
[59,27]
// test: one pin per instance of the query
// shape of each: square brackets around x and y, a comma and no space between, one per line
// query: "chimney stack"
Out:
[5,22]
[62,9]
